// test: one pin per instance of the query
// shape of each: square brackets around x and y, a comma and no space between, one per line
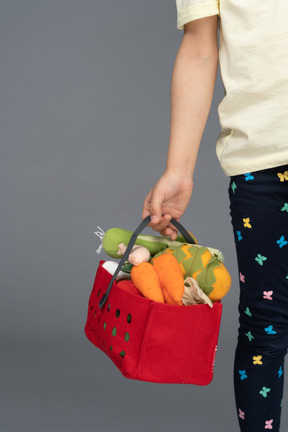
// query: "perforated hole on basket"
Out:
[112,339]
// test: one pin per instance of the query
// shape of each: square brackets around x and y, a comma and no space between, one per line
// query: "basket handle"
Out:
[131,243]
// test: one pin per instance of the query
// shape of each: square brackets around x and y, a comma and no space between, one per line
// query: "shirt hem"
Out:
[240,169]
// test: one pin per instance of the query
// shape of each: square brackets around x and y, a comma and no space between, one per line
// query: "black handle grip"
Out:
[131,243]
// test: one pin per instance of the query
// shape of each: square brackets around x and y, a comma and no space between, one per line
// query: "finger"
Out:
[156,208]
[172,232]
[149,209]
[146,205]
[163,223]
[174,235]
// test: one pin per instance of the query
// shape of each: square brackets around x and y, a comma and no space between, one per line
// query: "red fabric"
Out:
[163,343]
[128,285]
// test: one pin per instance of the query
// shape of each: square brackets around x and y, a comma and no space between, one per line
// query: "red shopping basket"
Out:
[148,340]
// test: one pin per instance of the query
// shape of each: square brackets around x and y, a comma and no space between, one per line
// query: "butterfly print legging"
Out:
[259,217]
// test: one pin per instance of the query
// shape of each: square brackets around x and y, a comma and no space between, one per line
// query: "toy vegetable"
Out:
[162,281]
[171,278]
[193,294]
[111,267]
[137,255]
[198,263]
[180,274]
[146,280]
[114,236]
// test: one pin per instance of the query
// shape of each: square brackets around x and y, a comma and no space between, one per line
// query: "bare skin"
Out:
[192,87]
[170,196]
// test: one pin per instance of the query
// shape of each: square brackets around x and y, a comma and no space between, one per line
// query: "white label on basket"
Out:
[214,359]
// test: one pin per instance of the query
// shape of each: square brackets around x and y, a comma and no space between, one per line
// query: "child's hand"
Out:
[170,196]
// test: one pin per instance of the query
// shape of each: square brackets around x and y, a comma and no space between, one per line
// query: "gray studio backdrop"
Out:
[85,111]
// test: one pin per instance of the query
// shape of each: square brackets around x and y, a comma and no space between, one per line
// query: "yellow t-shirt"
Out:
[253,60]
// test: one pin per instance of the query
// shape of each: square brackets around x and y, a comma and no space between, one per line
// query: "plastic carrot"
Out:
[146,280]
[171,277]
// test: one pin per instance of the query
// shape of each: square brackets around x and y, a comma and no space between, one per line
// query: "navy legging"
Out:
[259,216]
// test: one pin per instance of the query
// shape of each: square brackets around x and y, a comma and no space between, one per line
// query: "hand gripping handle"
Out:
[131,243]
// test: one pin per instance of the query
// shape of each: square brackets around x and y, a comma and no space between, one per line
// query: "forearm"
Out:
[192,88]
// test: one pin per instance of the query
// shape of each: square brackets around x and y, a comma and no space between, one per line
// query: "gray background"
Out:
[85,110]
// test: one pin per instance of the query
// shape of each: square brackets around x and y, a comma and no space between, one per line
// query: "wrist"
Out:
[185,173]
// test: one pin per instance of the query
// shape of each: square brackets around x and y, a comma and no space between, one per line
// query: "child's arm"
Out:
[192,88]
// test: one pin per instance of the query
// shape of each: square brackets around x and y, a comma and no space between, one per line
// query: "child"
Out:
[252,150]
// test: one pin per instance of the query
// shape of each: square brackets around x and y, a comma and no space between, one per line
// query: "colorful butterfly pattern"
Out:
[250,336]
[264,391]
[267,295]
[260,259]
[239,235]
[248,176]
[257,360]
[241,414]
[233,187]
[252,231]
[282,242]
[283,176]
[268,424]
[248,312]
[247,223]
[269,330]
[243,374]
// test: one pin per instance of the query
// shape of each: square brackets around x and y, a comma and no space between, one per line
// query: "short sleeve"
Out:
[189,10]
